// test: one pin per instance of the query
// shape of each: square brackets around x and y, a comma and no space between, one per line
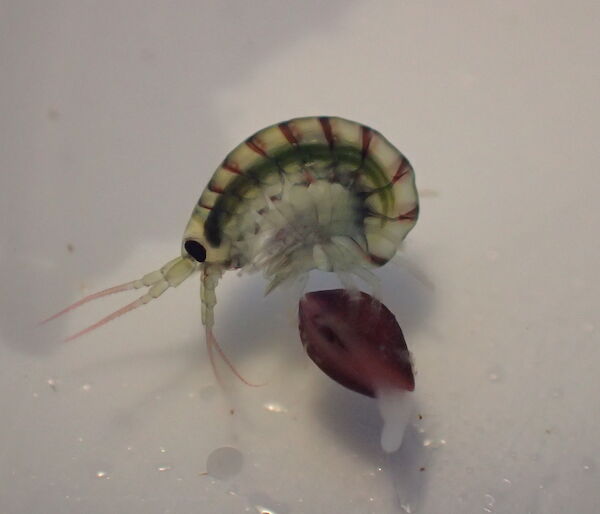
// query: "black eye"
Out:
[195,250]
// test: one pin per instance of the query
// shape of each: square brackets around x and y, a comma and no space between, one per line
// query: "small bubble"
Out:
[588,465]
[274,407]
[129,448]
[164,468]
[507,482]
[52,383]
[101,474]
[80,439]
[86,387]
[494,374]
[35,395]
[224,462]
[162,449]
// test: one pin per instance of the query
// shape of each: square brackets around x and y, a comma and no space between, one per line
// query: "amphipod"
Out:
[309,193]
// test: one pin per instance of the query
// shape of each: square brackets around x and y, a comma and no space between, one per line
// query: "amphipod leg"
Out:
[170,275]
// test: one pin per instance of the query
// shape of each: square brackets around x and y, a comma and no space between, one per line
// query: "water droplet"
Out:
[101,474]
[274,407]
[162,449]
[490,501]
[263,510]
[164,468]
[588,465]
[495,374]
[224,462]
[86,387]
[432,443]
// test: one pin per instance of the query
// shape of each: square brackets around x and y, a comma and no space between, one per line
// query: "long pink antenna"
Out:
[123,310]
[111,290]
[211,342]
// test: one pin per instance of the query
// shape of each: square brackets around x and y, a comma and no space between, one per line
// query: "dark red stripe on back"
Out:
[378,261]
[214,189]
[367,135]
[410,215]
[287,132]
[326,126]
[402,170]
[205,207]
[254,147]
[233,167]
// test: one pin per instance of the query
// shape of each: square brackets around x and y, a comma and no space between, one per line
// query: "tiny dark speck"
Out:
[70,248]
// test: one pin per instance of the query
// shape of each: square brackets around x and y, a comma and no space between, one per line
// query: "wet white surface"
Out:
[114,116]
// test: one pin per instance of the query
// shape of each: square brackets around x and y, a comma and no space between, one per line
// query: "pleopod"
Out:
[317,192]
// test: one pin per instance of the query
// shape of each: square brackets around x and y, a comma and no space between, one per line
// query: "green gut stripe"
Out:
[321,155]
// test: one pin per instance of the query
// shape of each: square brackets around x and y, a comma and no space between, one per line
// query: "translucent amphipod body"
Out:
[310,193]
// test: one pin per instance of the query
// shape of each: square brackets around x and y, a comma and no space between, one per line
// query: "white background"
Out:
[113,116]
